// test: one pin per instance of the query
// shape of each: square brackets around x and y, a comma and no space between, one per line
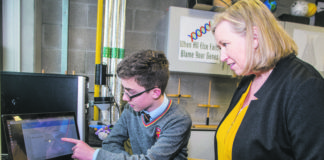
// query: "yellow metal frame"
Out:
[179,95]
[98,54]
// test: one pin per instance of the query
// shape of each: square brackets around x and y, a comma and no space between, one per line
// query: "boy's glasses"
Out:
[138,94]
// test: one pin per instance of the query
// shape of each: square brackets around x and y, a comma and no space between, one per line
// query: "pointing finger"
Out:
[71,140]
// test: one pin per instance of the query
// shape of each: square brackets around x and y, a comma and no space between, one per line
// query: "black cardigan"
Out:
[287,120]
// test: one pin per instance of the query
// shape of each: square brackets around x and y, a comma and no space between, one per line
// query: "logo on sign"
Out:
[200,31]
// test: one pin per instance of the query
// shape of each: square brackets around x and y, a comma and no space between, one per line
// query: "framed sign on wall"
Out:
[191,46]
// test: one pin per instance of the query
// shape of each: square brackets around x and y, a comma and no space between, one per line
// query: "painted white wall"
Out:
[19,47]
[11,35]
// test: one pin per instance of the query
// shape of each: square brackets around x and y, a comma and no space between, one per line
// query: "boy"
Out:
[163,134]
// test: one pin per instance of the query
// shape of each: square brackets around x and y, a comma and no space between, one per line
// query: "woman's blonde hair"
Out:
[274,41]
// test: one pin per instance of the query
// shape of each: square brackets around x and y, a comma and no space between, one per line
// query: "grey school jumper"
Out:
[164,138]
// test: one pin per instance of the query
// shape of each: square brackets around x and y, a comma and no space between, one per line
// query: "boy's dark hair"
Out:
[149,68]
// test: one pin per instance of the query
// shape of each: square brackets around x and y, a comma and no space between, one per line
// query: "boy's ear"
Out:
[156,92]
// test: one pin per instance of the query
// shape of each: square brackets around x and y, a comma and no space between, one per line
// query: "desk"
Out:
[201,144]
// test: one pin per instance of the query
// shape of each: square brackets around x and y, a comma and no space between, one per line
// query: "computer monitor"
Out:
[23,92]
[38,136]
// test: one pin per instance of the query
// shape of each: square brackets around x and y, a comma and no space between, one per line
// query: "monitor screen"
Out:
[38,136]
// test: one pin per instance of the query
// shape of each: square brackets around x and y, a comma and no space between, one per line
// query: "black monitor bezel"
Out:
[6,117]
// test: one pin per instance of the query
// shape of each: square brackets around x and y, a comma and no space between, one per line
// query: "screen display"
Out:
[39,138]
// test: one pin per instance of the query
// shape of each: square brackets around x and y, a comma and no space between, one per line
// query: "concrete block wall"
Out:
[146,28]
[81,41]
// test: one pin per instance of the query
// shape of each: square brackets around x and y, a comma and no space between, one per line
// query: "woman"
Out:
[277,111]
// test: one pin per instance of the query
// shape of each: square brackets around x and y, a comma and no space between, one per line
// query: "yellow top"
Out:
[227,130]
